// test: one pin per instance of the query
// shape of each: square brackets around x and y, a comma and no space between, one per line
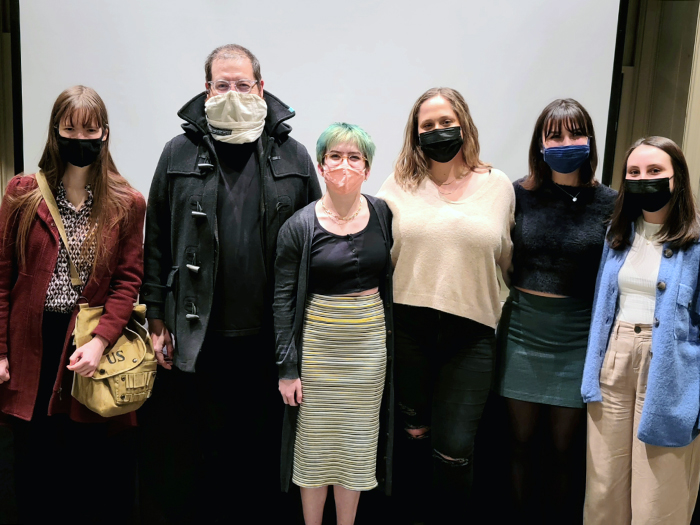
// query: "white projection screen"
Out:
[363,62]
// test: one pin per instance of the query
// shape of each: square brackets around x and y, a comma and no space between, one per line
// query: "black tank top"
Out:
[345,264]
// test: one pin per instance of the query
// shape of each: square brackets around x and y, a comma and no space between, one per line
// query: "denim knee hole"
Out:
[453,462]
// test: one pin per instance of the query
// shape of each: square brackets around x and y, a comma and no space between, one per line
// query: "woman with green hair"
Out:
[333,329]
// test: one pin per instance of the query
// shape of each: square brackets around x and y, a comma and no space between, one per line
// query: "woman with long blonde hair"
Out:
[452,218]
[57,440]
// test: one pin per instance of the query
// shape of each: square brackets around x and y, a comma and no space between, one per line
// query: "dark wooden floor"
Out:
[490,502]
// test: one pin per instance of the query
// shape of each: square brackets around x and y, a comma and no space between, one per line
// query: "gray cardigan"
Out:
[291,282]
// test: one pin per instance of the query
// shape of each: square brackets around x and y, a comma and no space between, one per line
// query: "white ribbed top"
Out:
[637,278]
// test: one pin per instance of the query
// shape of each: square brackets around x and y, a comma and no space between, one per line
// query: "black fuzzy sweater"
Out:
[557,242]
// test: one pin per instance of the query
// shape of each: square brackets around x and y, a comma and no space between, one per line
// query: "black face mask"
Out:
[79,152]
[441,145]
[649,194]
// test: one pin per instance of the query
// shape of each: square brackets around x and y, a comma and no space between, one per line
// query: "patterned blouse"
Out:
[62,295]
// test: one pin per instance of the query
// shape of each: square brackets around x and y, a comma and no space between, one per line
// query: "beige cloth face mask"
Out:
[236,118]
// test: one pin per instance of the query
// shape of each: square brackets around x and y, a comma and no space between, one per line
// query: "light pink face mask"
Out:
[343,179]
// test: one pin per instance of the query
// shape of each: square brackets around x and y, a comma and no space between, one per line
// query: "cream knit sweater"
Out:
[445,253]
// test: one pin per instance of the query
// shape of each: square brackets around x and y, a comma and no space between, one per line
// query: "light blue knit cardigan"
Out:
[672,403]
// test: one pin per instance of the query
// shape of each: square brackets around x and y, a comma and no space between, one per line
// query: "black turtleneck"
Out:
[237,309]
[557,242]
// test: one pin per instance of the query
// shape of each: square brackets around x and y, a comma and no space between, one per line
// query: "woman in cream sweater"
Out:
[452,215]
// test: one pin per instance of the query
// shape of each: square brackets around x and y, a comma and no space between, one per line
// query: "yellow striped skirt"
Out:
[343,367]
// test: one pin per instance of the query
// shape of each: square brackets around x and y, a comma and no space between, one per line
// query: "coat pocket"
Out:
[171,300]
[284,208]
[682,328]
[281,167]
[607,370]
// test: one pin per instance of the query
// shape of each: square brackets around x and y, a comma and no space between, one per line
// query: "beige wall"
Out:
[657,66]
[691,139]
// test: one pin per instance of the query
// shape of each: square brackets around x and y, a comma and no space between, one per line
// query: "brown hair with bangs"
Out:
[681,226]
[113,197]
[412,166]
[567,113]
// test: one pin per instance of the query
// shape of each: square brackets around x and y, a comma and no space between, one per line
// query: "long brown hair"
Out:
[112,194]
[412,165]
[567,113]
[681,226]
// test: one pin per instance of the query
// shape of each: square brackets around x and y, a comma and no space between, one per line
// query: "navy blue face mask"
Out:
[566,159]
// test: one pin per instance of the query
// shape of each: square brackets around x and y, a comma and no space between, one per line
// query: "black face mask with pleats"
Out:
[441,145]
[648,194]
[78,152]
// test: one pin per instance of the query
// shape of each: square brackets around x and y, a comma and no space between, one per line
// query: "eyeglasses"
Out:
[224,86]
[333,160]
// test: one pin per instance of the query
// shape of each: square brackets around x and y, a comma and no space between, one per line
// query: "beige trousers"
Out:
[628,481]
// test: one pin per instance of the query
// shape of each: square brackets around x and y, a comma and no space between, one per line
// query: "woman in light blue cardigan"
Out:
[642,373]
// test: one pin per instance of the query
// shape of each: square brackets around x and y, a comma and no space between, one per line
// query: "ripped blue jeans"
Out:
[443,371]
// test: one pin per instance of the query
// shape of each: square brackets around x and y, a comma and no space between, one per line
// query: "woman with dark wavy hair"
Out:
[560,216]
[642,374]
[57,440]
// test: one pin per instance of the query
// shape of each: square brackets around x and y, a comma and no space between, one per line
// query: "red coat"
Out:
[23,294]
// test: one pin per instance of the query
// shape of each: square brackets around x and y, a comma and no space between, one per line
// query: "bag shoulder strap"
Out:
[53,209]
